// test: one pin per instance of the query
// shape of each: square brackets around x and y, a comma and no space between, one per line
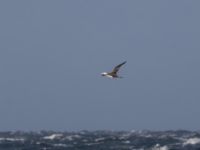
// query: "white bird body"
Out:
[107,75]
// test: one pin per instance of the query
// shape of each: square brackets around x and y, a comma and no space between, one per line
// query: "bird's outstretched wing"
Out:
[116,69]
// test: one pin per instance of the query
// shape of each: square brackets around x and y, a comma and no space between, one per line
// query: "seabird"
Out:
[113,73]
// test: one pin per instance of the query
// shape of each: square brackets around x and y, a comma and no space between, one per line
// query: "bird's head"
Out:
[103,73]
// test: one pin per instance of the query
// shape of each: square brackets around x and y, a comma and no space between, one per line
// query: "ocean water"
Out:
[101,140]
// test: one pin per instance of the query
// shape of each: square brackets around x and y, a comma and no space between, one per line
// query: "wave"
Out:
[100,140]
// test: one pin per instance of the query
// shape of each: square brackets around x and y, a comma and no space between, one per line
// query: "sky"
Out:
[53,52]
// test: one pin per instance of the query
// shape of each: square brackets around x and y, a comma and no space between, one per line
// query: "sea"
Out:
[101,140]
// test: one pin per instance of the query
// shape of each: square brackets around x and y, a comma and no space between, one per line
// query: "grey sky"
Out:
[52,54]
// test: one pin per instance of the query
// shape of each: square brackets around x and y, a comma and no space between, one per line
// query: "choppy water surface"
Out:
[100,140]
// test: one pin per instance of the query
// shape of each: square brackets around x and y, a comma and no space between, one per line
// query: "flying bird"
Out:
[113,73]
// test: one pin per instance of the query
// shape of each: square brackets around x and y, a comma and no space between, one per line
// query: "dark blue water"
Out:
[100,140]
